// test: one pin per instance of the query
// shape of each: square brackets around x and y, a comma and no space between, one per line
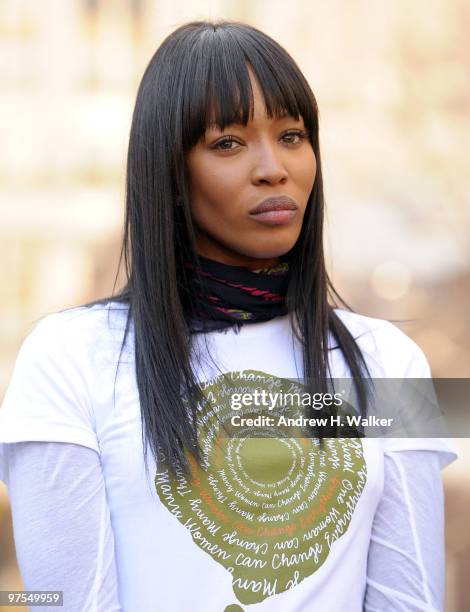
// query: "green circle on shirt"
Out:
[265,459]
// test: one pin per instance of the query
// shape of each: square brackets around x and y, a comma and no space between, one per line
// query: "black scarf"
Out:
[230,296]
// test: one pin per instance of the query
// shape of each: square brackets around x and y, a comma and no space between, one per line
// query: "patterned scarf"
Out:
[233,295]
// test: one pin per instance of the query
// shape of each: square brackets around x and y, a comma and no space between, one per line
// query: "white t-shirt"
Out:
[237,538]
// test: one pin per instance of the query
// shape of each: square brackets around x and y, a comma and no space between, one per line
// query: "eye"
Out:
[291,138]
[295,136]
[220,145]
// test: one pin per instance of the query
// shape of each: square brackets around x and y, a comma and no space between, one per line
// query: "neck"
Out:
[225,294]
[224,255]
[240,260]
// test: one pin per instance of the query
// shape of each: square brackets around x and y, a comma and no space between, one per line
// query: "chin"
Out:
[269,251]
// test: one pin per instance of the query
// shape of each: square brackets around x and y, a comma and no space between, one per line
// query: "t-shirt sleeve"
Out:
[61,524]
[417,366]
[48,395]
[406,561]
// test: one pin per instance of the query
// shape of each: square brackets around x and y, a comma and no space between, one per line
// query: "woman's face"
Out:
[232,172]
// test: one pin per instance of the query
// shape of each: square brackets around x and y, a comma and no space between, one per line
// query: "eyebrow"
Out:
[284,115]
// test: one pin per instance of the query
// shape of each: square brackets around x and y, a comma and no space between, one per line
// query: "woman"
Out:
[227,295]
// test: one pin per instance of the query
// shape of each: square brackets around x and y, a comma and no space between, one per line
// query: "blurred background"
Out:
[392,80]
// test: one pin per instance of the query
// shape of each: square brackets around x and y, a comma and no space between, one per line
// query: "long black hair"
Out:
[200,72]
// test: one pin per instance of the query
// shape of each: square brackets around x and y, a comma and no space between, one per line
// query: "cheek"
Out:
[307,171]
[215,192]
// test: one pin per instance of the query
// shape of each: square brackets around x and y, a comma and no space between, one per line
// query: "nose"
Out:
[268,165]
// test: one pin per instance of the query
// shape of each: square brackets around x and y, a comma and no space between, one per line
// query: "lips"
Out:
[274,203]
[275,211]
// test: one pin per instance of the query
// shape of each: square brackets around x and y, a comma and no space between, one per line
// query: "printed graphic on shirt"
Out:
[268,509]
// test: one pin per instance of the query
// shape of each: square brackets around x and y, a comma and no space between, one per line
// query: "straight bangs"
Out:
[216,90]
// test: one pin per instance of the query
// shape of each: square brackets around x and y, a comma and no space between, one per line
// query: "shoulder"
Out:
[84,319]
[61,365]
[390,350]
[77,333]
